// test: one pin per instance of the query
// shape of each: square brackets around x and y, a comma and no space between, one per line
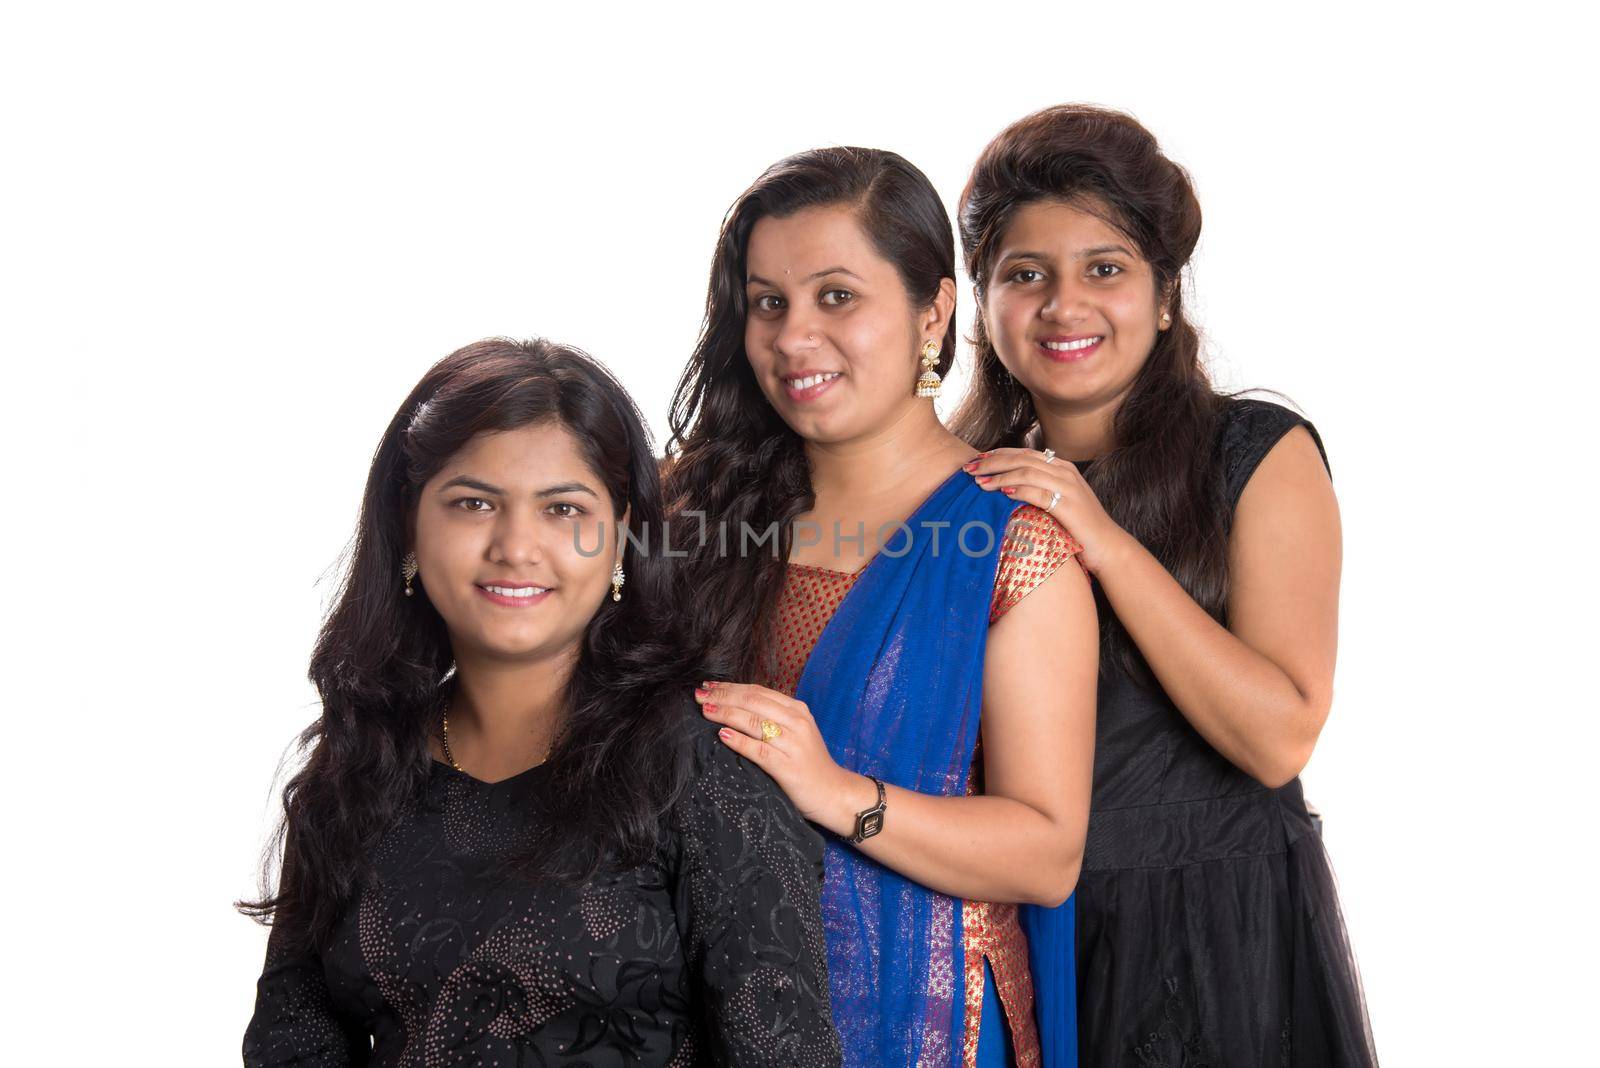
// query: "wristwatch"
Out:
[870,821]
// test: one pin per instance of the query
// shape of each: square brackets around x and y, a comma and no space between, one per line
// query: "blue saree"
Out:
[896,684]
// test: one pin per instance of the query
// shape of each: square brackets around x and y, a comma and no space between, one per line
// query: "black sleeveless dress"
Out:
[1209,930]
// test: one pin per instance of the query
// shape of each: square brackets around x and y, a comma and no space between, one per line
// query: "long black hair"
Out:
[731,457]
[1160,481]
[382,659]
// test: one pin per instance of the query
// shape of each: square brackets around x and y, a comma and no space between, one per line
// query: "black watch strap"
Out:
[870,821]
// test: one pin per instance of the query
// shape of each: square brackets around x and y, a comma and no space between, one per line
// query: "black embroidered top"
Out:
[711,954]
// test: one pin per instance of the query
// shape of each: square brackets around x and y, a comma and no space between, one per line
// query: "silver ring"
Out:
[1049,456]
[1054,500]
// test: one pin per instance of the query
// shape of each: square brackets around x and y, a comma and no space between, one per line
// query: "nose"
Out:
[1067,303]
[516,541]
[797,334]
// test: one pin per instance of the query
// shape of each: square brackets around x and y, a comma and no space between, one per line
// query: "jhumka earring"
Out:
[408,571]
[928,384]
[617,579]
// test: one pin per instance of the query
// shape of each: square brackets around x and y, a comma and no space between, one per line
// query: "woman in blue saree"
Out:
[910,658]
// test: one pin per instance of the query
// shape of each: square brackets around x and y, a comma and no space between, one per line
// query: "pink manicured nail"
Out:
[1007,490]
[724,734]
[985,478]
[709,708]
[701,691]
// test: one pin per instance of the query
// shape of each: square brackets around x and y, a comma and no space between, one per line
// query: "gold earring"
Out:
[408,571]
[617,579]
[928,384]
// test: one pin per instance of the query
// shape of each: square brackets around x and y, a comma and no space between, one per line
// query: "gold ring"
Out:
[770,730]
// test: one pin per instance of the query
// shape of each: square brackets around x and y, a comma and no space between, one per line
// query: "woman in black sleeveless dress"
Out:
[1209,930]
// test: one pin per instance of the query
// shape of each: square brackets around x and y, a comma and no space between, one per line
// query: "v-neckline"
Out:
[525,773]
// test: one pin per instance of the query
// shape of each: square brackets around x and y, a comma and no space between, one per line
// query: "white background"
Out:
[234,237]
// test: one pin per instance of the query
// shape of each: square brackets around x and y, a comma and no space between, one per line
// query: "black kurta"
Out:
[711,954]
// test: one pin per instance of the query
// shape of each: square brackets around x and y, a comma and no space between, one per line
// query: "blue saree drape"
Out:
[896,685]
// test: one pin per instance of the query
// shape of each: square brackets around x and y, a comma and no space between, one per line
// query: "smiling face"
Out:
[1070,306]
[831,333]
[497,536]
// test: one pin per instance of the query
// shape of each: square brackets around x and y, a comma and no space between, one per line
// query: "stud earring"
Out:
[408,571]
[1166,320]
[617,579]
[928,384]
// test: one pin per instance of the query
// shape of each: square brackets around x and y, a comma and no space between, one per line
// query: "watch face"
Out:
[871,824]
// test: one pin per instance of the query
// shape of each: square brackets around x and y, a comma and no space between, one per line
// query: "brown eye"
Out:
[836,297]
[767,303]
[565,510]
[1026,276]
[1105,270]
[473,504]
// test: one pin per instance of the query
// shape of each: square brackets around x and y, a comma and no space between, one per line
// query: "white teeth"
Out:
[812,380]
[1071,346]
[516,591]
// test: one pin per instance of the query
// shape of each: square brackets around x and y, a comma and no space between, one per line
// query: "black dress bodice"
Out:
[711,954]
[1146,752]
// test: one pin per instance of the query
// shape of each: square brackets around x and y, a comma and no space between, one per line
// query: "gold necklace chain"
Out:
[444,740]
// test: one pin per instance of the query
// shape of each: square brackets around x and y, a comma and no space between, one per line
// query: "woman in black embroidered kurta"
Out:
[514,842]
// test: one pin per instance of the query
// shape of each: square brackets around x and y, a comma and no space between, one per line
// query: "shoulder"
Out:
[1034,527]
[724,785]
[1035,547]
[732,809]
[1248,429]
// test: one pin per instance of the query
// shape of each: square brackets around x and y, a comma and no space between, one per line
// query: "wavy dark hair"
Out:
[1159,481]
[382,661]
[731,456]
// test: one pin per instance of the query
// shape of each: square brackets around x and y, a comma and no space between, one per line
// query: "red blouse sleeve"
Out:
[1034,548]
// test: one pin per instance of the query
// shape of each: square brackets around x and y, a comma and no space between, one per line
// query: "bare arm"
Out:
[1259,690]
[1022,841]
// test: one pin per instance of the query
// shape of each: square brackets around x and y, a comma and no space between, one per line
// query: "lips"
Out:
[1070,349]
[514,596]
[809,385]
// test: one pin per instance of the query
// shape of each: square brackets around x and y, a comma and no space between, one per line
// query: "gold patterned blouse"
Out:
[1035,547]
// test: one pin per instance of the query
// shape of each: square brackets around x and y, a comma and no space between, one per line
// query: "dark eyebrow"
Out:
[472,483]
[1098,250]
[495,491]
[567,487]
[758,280]
[1101,250]
[1022,254]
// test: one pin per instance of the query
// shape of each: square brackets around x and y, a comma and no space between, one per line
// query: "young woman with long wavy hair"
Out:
[911,659]
[1208,926]
[514,841]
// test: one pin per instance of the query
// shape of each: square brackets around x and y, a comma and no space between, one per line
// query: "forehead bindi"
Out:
[810,244]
